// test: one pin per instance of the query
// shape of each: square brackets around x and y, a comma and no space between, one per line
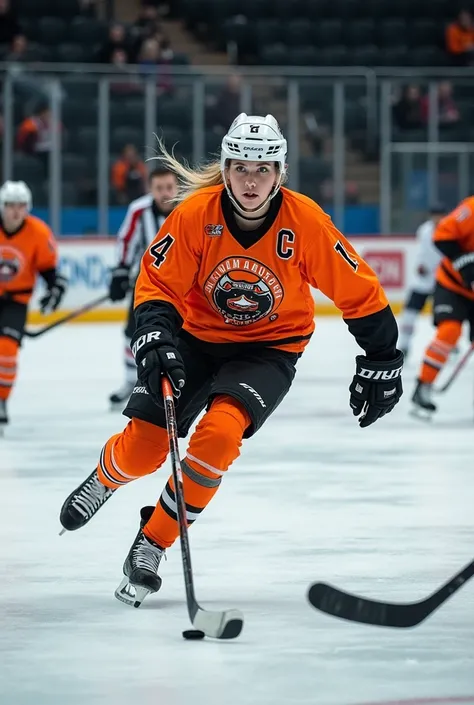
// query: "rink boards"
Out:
[86,262]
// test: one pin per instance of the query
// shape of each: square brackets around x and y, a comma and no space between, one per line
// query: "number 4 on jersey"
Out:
[159,249]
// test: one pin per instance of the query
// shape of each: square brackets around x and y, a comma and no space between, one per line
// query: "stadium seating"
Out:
[291,33]
[396,33]
[57,32]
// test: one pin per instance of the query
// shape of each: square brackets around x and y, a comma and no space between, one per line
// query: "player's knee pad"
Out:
[216,442]
[449,331]
[139,450]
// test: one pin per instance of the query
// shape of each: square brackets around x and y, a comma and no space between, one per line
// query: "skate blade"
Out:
[130,594]
[421,414]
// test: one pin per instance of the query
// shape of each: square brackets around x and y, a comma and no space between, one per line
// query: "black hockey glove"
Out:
[465,266]
[375,388]
[119,283]
[155,354]
[51,300]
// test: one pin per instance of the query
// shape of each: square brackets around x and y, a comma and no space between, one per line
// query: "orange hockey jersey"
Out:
[231,286]
[457,226]
[23,254]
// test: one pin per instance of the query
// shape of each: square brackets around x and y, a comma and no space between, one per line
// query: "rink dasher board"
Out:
[86,262]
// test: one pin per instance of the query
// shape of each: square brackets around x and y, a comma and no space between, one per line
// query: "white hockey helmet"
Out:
[15,192]
[254,138]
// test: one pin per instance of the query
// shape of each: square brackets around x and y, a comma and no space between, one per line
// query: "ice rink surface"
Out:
[386,511]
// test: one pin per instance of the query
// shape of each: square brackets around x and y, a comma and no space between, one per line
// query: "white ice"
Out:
[387,511]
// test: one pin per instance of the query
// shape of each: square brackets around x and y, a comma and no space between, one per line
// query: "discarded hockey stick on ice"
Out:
[400,615]
[219,625]
[68,317]
[457,369]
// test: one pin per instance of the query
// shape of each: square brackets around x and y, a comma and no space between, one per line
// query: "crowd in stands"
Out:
[81,36]
[412,109]
[136,50]
[143,43]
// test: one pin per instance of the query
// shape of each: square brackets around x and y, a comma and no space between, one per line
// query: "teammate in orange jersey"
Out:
[453,298]
[223,308]
[27,248]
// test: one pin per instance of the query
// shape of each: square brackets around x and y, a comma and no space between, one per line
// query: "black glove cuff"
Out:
[379,370]
[51,277]
[148,339]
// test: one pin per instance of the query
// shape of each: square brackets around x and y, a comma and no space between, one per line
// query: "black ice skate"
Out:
[119,398]
[3,415]
[83,503]
[141,566]
[423,405]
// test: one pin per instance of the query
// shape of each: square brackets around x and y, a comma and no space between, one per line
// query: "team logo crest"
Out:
[11,263]
[243,291]
[214,230]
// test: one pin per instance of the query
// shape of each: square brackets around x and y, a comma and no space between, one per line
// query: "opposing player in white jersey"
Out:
[144,218]
[422,286]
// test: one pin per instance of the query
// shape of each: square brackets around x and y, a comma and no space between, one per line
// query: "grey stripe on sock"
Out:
[198,478]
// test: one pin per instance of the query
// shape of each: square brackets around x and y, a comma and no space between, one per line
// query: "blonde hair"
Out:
[192,179]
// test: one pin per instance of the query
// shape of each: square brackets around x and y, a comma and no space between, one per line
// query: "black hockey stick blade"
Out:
[68,317]
[402,615]
[218,625]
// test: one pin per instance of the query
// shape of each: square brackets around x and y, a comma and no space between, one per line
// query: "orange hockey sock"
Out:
[8,365]
[139,450]
[438,351]
[213,447]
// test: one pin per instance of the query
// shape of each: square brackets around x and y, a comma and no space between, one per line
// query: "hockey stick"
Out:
[219,625]
[401,615]
[68,317]
[456,370]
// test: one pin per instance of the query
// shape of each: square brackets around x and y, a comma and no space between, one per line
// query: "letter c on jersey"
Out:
[285,238]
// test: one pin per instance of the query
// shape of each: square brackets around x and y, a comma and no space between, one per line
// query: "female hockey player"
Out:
[27,248]
[453,297]
[223,308]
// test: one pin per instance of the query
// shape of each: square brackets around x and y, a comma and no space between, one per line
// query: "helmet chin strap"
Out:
[258,212]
